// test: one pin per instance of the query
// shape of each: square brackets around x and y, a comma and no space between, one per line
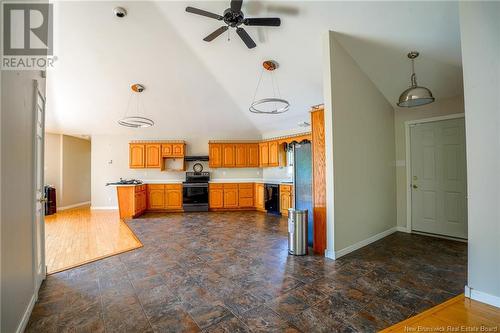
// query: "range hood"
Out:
[195,158]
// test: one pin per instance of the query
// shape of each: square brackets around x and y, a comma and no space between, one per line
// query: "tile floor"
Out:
[230,272]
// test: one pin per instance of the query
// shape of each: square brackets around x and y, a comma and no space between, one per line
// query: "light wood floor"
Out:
[77,236]
[459,314]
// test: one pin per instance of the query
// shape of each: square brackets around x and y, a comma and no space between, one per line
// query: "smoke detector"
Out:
[120,12]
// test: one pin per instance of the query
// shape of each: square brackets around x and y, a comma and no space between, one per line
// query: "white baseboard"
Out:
[330,254]
[85,203]
[364,242]
[402,229]
[482,297]
[103,207]
[27,313]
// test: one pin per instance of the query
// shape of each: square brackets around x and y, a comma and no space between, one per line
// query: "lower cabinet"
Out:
[286,199]
[131,200]
[245,195]
[164,197]
[230,195]
[259,197]
[216,196]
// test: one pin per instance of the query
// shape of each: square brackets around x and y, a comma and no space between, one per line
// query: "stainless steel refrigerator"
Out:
[302,176]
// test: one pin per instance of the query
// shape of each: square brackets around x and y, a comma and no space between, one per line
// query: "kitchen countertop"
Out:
[215,181]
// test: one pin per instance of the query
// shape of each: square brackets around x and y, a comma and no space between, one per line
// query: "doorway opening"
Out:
[437,177]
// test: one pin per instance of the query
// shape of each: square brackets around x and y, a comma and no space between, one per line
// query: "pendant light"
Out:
[135,121]
[270,105]
[415,95]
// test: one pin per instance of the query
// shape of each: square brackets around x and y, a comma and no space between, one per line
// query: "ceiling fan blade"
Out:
[236,5]
[216,33]
[246,38]
[203,13]
[263,21]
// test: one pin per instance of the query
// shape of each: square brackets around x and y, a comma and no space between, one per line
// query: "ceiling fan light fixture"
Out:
[415,95]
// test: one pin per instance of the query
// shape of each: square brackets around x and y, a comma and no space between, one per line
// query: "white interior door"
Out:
[439,178]
[39,231]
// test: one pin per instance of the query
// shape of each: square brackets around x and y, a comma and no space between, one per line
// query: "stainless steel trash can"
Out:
[297,232]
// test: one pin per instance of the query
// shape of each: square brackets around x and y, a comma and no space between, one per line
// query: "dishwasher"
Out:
[272,198]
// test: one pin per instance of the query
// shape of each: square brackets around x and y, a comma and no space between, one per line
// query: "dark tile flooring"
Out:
[230,272]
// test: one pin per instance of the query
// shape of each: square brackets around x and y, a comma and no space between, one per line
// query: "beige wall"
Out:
[17,194]
[479,30]
[75,171]
[67,167]
[52,167]
[401,115]
[364,175]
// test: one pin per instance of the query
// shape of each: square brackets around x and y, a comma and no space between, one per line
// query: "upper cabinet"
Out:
[264,154]
[215,155]
[252,151]
[137,155]
[274,159]
[228,155]
[240,152]
[152,154]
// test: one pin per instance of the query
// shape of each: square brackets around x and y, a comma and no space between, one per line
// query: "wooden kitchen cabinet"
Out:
[131,200]
[286,199]
[273,160]
[228,155]
[153,156]
[173,197]
[245,195]
[241,152]
[215,155]
[264,154]
[166,150]
[230,195]
[156,196]
[259,197]
[177,150]
[252,155]
[137,155]
[216,196]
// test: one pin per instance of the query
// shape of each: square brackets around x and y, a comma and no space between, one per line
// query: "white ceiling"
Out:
[204,89]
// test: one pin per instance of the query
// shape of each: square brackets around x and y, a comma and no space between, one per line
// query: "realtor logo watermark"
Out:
[27,32]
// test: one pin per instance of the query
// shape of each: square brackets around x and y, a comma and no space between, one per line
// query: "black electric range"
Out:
[195,192]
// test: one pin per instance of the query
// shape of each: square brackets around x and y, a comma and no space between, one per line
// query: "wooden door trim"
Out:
[408,181]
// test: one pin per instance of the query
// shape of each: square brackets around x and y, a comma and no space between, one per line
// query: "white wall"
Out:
[401,115]
[480,30]
[110,158]
[17,153]
[364,175]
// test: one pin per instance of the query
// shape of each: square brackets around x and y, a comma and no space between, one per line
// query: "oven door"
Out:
[195,194]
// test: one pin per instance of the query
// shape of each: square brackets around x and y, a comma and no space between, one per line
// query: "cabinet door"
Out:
[136,155]
[228,155]
[241,155]
[253,155]
[216,198]
[231,198]
[153,155]
[173,198]
[156,198]
[264,154]
[259,196]
[285,202]
[273,154]
[166,150]
[215,155]
[178,149]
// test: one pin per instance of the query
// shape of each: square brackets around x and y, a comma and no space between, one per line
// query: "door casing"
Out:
[408,165]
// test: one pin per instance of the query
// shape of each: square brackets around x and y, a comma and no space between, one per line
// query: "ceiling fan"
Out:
[233,17]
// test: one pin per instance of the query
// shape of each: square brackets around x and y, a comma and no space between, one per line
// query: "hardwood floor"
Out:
[78,236]
[459,314]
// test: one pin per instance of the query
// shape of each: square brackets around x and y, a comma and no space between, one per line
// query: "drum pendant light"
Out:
[270,105]
[415,95]
[135,121]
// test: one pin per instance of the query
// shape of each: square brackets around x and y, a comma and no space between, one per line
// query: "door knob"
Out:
[414,186]
[42,200]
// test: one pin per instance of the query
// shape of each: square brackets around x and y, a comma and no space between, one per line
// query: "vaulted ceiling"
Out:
[204,89]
